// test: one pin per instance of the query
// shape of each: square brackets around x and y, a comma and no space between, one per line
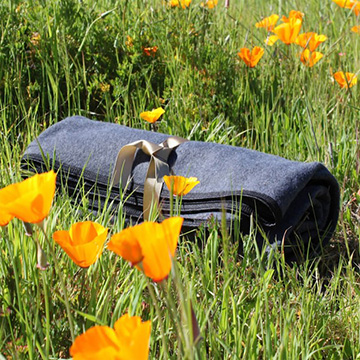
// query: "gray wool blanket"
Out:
[296,204]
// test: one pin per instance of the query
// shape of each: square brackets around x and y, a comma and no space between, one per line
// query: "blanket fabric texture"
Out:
[295,204]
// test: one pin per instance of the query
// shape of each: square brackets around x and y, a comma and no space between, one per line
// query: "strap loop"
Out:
[158,167]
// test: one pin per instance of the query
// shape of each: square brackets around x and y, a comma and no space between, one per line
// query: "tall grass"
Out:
[60,58]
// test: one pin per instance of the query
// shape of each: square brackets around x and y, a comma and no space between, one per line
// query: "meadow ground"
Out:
[110,60]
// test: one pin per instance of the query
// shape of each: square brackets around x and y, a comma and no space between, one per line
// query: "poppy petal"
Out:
[180,185]
[251,58]
[309,58]
[151,243]
[289,31]
[346,80]
[152,116]
[99,342]
[268,23]
[83,242]
[133,336]
[126,245]
[29,200]
[271,40]
[159,251]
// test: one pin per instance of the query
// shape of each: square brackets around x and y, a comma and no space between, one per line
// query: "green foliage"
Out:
[60,58]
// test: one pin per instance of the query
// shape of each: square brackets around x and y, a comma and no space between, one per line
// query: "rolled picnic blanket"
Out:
[295,204]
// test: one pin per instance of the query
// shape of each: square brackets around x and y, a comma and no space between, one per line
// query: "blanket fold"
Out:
[293,202]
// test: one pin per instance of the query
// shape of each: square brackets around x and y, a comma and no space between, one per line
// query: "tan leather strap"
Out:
[158,167]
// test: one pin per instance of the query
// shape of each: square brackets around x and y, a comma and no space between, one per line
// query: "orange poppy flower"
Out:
[210,4]
[152,116]
[349,4]
[356,8]
[180,185]
[83,242]
[150,51]
[289,31]
[309,58]
[356,29]
[348,82]
[128,340]
[251,58]
[271,40]
[293,14]
[29,200]
[310,40]
[344,3]
[183,3]
[268,23]
[149,246]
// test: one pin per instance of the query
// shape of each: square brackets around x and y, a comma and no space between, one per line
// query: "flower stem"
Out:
[191,341]
[158,313]
[171,305]
[47,314]
[22,313]
[62,283]
[171,201]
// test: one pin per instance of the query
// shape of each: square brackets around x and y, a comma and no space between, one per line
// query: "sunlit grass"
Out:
[60,58]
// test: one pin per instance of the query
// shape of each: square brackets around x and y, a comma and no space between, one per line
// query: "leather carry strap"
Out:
[158,167]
